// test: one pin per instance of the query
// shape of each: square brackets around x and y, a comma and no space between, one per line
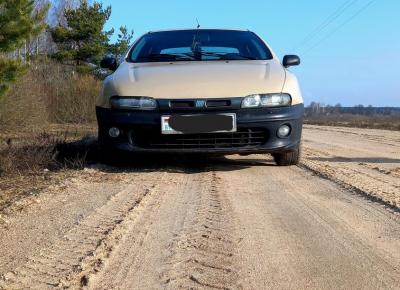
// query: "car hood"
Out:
[208,79]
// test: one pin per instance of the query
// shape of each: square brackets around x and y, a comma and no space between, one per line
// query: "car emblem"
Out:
[200,103]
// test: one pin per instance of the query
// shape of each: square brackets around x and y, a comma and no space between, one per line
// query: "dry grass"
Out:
[49,93]
[50,150]
[24,107]
[29,156]
[357,121]
[74,101]
[35,153]
[32,162]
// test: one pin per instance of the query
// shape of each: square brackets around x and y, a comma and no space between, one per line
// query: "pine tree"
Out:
[83,38]
[123,42]
[17,24]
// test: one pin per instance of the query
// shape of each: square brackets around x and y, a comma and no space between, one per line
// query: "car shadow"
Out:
[189,164]
[84,153]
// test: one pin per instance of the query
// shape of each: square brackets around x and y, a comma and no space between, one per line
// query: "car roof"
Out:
[200,29]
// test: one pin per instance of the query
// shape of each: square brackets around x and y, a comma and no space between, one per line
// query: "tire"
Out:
[288,158]
[106,154]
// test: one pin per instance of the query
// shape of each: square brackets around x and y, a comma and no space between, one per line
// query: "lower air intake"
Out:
[241,138]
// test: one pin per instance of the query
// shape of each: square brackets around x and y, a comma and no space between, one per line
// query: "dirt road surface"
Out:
[367,161]
[221,223]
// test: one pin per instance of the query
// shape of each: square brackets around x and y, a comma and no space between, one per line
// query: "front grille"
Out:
[218,103]
[182,104]
[241,138]
[199,104]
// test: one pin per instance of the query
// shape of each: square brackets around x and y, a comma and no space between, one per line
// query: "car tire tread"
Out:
[288,158]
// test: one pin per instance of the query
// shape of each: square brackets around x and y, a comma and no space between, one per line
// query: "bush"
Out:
[74,101]
[49,93]
[24,107]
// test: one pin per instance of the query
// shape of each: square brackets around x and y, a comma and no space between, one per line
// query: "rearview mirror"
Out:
[109,62]
[291,60]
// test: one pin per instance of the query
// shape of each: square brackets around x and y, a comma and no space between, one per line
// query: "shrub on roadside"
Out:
[49,93]
[24,107]
[74,101]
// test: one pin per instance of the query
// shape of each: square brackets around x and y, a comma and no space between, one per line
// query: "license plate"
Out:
[199,123]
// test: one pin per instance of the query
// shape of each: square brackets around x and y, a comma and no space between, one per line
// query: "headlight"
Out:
[267,100]
[252,101]
[141,103]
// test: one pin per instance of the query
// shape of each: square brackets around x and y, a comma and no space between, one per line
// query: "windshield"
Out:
[199,45]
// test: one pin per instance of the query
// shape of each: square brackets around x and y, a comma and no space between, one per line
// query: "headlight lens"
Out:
[252,101]
[141,103]
[267,100]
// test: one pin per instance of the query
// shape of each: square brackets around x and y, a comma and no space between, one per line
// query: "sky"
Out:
[350,49]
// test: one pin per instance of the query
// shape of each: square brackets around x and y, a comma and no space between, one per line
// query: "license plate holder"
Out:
[198,123]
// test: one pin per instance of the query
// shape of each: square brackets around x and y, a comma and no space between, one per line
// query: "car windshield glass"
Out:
[199,45]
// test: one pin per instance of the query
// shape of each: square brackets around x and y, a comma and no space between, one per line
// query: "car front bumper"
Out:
[257,131]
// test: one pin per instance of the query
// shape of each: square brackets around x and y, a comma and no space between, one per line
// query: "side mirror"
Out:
[291,60]
[109,62]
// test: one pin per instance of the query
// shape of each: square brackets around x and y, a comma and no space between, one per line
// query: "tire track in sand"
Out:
[354,176]
[84,248]
[203,253]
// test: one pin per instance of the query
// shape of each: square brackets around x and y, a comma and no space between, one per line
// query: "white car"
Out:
[201,91]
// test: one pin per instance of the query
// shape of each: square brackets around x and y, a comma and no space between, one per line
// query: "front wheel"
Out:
[106,153]
[288,158]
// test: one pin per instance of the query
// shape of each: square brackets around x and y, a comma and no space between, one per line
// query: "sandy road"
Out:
[224,223]
[365,160]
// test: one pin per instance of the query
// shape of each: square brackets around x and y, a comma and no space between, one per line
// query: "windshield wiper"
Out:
[225,56]
[167,56]
[197,55]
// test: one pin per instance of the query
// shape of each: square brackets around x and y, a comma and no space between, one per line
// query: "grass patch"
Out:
[35,153]
[51,151]
[49,93]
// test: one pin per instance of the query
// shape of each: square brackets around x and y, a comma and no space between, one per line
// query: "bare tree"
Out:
[43,43]
[57,11]
[315,108]
[39,43]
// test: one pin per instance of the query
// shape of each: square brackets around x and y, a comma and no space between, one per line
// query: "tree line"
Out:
[71,31]
[320,109]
